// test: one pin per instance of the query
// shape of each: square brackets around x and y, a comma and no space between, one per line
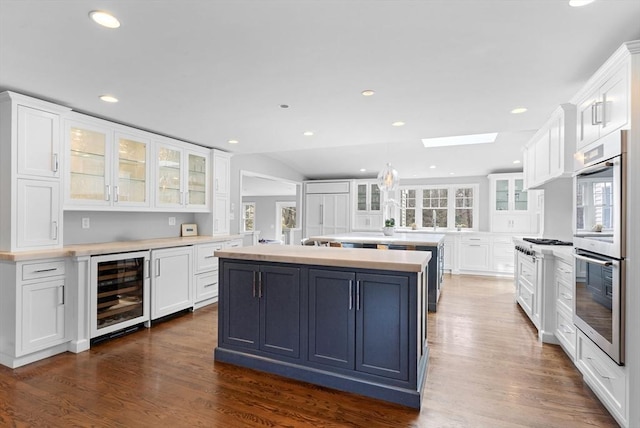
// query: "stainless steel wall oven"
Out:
[600,241]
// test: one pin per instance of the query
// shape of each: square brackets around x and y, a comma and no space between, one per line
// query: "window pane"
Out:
[434,217]
[288,217]
[464,218]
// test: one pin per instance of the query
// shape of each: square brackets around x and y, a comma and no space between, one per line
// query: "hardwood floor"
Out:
[486,369]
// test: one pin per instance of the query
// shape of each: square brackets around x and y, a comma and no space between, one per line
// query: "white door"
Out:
[38,214]
[172,281]
[43,313]
[38,143]
[314,215]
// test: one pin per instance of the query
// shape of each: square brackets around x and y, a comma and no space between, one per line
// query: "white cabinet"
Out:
[32,311]
[604,104]
[206,273]
[475,253]
[181,176]
[172,281]
[221,192]
[31,212]
[511,210]
[549,153]
[528,287]
[368,205]
[107,166]
[39,214]
[565,330]
[502,255]
[327,207]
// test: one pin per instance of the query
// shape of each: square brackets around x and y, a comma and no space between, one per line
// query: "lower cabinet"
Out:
[32,311]
[475,254]
[356,322]
[172,281]
[527,287]
[352,329]
[262,308]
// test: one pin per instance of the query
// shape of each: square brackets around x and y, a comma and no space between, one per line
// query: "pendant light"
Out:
[388,178]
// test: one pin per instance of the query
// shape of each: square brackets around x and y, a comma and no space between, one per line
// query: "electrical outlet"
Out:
[172,221]
[86,223]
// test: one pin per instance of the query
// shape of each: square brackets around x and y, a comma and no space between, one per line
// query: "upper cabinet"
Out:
[30,165]
[182,176]
[221,192]
[368,205]
[549,154]
[105,167]
[511,208]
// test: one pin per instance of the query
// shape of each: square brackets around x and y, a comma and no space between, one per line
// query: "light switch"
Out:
[172,221]
[86,223]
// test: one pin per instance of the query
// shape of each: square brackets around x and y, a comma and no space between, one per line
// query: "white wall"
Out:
[266,219]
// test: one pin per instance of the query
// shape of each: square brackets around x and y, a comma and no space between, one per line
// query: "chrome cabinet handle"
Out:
[209,285]
[565,329]
[147,268]
[116,196]
[597,370]
[358,295]
[209,256]
[55,162]
[54,230]
[259,285]
[61,295]
[107,193]
[595,107]
[595,261]
[254,284]
[567,296]
[350,294]
[157,267]
[45,270]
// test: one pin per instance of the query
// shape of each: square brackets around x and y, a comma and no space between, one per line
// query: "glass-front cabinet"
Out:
[510,195]
[510,208]
[105,168]
[181,177]
[368,205]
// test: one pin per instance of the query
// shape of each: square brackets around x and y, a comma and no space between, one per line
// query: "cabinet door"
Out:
[332,318]
[42,315]
[375,201]
[520,196]
[556,147]
[38,143]
[221,215]
[169,177]
[588,118]
[382,318]
[362,201]
[313,215]
[615,101]
[502,195]
[221,174]
[335,210]
[241,307]
[474,256]
[88,163]
[206,286]
[279,295]
[197,181]
[38,214]
[172,283]
[542,157]
[131,187]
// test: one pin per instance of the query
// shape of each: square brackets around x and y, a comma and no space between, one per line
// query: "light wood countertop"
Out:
[80,250]
[402,261]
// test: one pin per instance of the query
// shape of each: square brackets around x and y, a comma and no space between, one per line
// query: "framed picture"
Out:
[189,229]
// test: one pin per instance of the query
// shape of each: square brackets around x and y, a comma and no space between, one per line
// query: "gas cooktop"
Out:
[545,241]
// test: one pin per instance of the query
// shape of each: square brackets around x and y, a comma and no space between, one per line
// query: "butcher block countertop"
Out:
[401,261]
[112,247]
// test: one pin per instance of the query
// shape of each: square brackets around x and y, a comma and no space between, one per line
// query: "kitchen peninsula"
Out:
[419,241]
[344,318]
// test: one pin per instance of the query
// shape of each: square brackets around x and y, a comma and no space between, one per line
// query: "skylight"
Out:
[460,140]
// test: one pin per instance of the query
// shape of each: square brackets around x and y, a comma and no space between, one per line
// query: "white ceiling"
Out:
[208,71]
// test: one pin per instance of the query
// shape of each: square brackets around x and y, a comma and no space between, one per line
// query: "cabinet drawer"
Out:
[475,239]
[564,295]
[527,271]
[206,286]
[42,269]
[606,378]
[525,298]
[205,259]
[564,271]
[566,333]
[233,243]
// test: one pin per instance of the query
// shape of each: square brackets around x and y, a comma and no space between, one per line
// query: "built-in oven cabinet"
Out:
[607,380]
[604,107]
[33,312]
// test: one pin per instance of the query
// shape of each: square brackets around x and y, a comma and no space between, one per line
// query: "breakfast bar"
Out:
[349,319]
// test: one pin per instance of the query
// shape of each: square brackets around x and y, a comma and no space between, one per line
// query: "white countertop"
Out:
[398,238]
[561,251]
[401,261]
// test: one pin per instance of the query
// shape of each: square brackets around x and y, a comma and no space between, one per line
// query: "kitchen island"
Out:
[350,319]
[433,242]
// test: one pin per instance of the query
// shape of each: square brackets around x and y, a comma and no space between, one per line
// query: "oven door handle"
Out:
[595,168]
[590,260]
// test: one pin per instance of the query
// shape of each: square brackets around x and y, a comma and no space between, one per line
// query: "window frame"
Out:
[451,204]
[245,218]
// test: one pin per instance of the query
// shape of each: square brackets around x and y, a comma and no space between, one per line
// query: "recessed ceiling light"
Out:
[104,18]
[284,105]
[308,133]
[432,166]
[363,170]
[368,92]
[517,161]
[398,123]
[578,3]
[452,173]
[518,110]
[108,98]
[233,141]
[460,140]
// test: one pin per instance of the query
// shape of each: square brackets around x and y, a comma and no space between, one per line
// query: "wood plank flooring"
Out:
[486,369]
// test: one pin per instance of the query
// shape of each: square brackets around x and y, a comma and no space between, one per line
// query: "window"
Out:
[444,206]
[248,216]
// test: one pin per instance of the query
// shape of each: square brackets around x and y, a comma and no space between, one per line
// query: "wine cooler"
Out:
[119,292]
